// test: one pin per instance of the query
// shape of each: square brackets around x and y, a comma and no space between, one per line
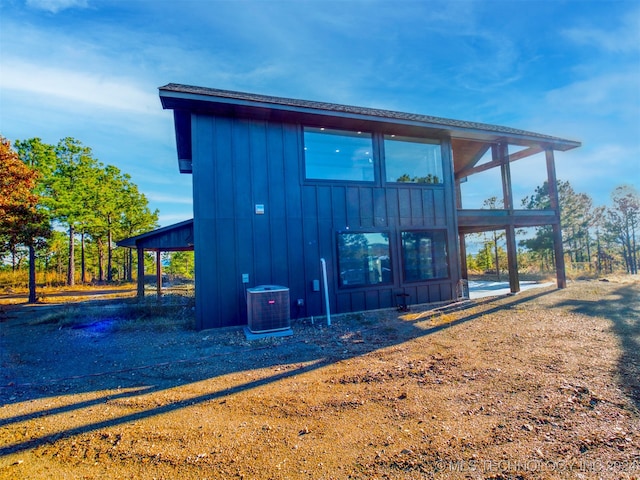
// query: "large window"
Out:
[412,160]
[363,259]
[338,155]
[425,255]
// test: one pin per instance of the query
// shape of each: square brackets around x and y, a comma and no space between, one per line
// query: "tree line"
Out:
[598,239]
[59,202]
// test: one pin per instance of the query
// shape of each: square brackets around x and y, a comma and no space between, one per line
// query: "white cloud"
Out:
[100,91]
[597,163]
[55,6]
[600,95]
[490,61]
[598,169]
[625,38]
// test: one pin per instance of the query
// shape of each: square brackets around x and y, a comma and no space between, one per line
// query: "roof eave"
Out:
[224,103]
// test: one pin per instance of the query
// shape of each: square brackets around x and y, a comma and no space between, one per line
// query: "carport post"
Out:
[140,251]
[158,275]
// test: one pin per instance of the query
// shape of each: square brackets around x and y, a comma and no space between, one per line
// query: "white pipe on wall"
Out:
[326,289]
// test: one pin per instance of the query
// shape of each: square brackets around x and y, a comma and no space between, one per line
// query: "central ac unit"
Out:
[268,309]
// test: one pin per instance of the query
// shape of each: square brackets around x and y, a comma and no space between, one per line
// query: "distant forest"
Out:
[62,211]
[596,239]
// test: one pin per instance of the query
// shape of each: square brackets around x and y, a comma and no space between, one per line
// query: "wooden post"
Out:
[450,218]
[510,231]
[158,275]
[32,274]
[557,230]
[505,170]
[140,251]
[512,259]
[464,269]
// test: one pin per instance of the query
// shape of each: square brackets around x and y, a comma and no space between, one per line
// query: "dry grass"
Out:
[64,294]
[536,386]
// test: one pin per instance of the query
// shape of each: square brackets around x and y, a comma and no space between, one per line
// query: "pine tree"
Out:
[623,219]
[21,221]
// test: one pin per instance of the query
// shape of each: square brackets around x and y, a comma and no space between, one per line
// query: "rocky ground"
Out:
[545,384]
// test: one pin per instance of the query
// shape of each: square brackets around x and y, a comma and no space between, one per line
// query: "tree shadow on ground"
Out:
[90,373]
[622,308]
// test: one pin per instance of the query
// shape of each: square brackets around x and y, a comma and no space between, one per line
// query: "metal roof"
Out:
[187,97]
[174,237]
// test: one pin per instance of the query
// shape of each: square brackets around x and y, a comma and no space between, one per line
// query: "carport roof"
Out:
[175,237]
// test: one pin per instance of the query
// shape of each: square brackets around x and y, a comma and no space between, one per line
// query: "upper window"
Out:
[412,160]
[338,155]
[425,255]
[364,259]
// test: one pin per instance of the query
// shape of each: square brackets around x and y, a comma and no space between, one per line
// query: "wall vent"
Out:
[268,309]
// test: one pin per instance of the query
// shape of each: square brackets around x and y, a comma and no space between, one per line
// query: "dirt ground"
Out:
[544,384]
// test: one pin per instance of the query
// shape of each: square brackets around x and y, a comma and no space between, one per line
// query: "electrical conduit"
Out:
[326,289]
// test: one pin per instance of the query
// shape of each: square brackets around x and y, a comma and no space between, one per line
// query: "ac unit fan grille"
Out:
[268,309]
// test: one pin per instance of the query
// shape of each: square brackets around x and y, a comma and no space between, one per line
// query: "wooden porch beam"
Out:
[474,221]
[467,172]
[527,152]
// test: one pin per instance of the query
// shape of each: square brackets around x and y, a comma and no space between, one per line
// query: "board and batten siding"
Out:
[240,163]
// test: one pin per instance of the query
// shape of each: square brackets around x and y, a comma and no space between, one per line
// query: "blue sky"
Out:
[90,69]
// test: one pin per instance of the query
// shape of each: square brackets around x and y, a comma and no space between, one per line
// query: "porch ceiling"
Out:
[467,153]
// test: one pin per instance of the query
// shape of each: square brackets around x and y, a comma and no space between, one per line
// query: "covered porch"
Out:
[467,156]
[173,238]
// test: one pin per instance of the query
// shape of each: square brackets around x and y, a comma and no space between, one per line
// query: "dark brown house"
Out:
[279,184]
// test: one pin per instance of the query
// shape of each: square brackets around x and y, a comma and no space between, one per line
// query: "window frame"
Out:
[410,139]
[446,268]
[339,264]
[374,156]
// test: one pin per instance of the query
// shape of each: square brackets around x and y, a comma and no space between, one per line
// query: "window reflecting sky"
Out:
[338,155]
